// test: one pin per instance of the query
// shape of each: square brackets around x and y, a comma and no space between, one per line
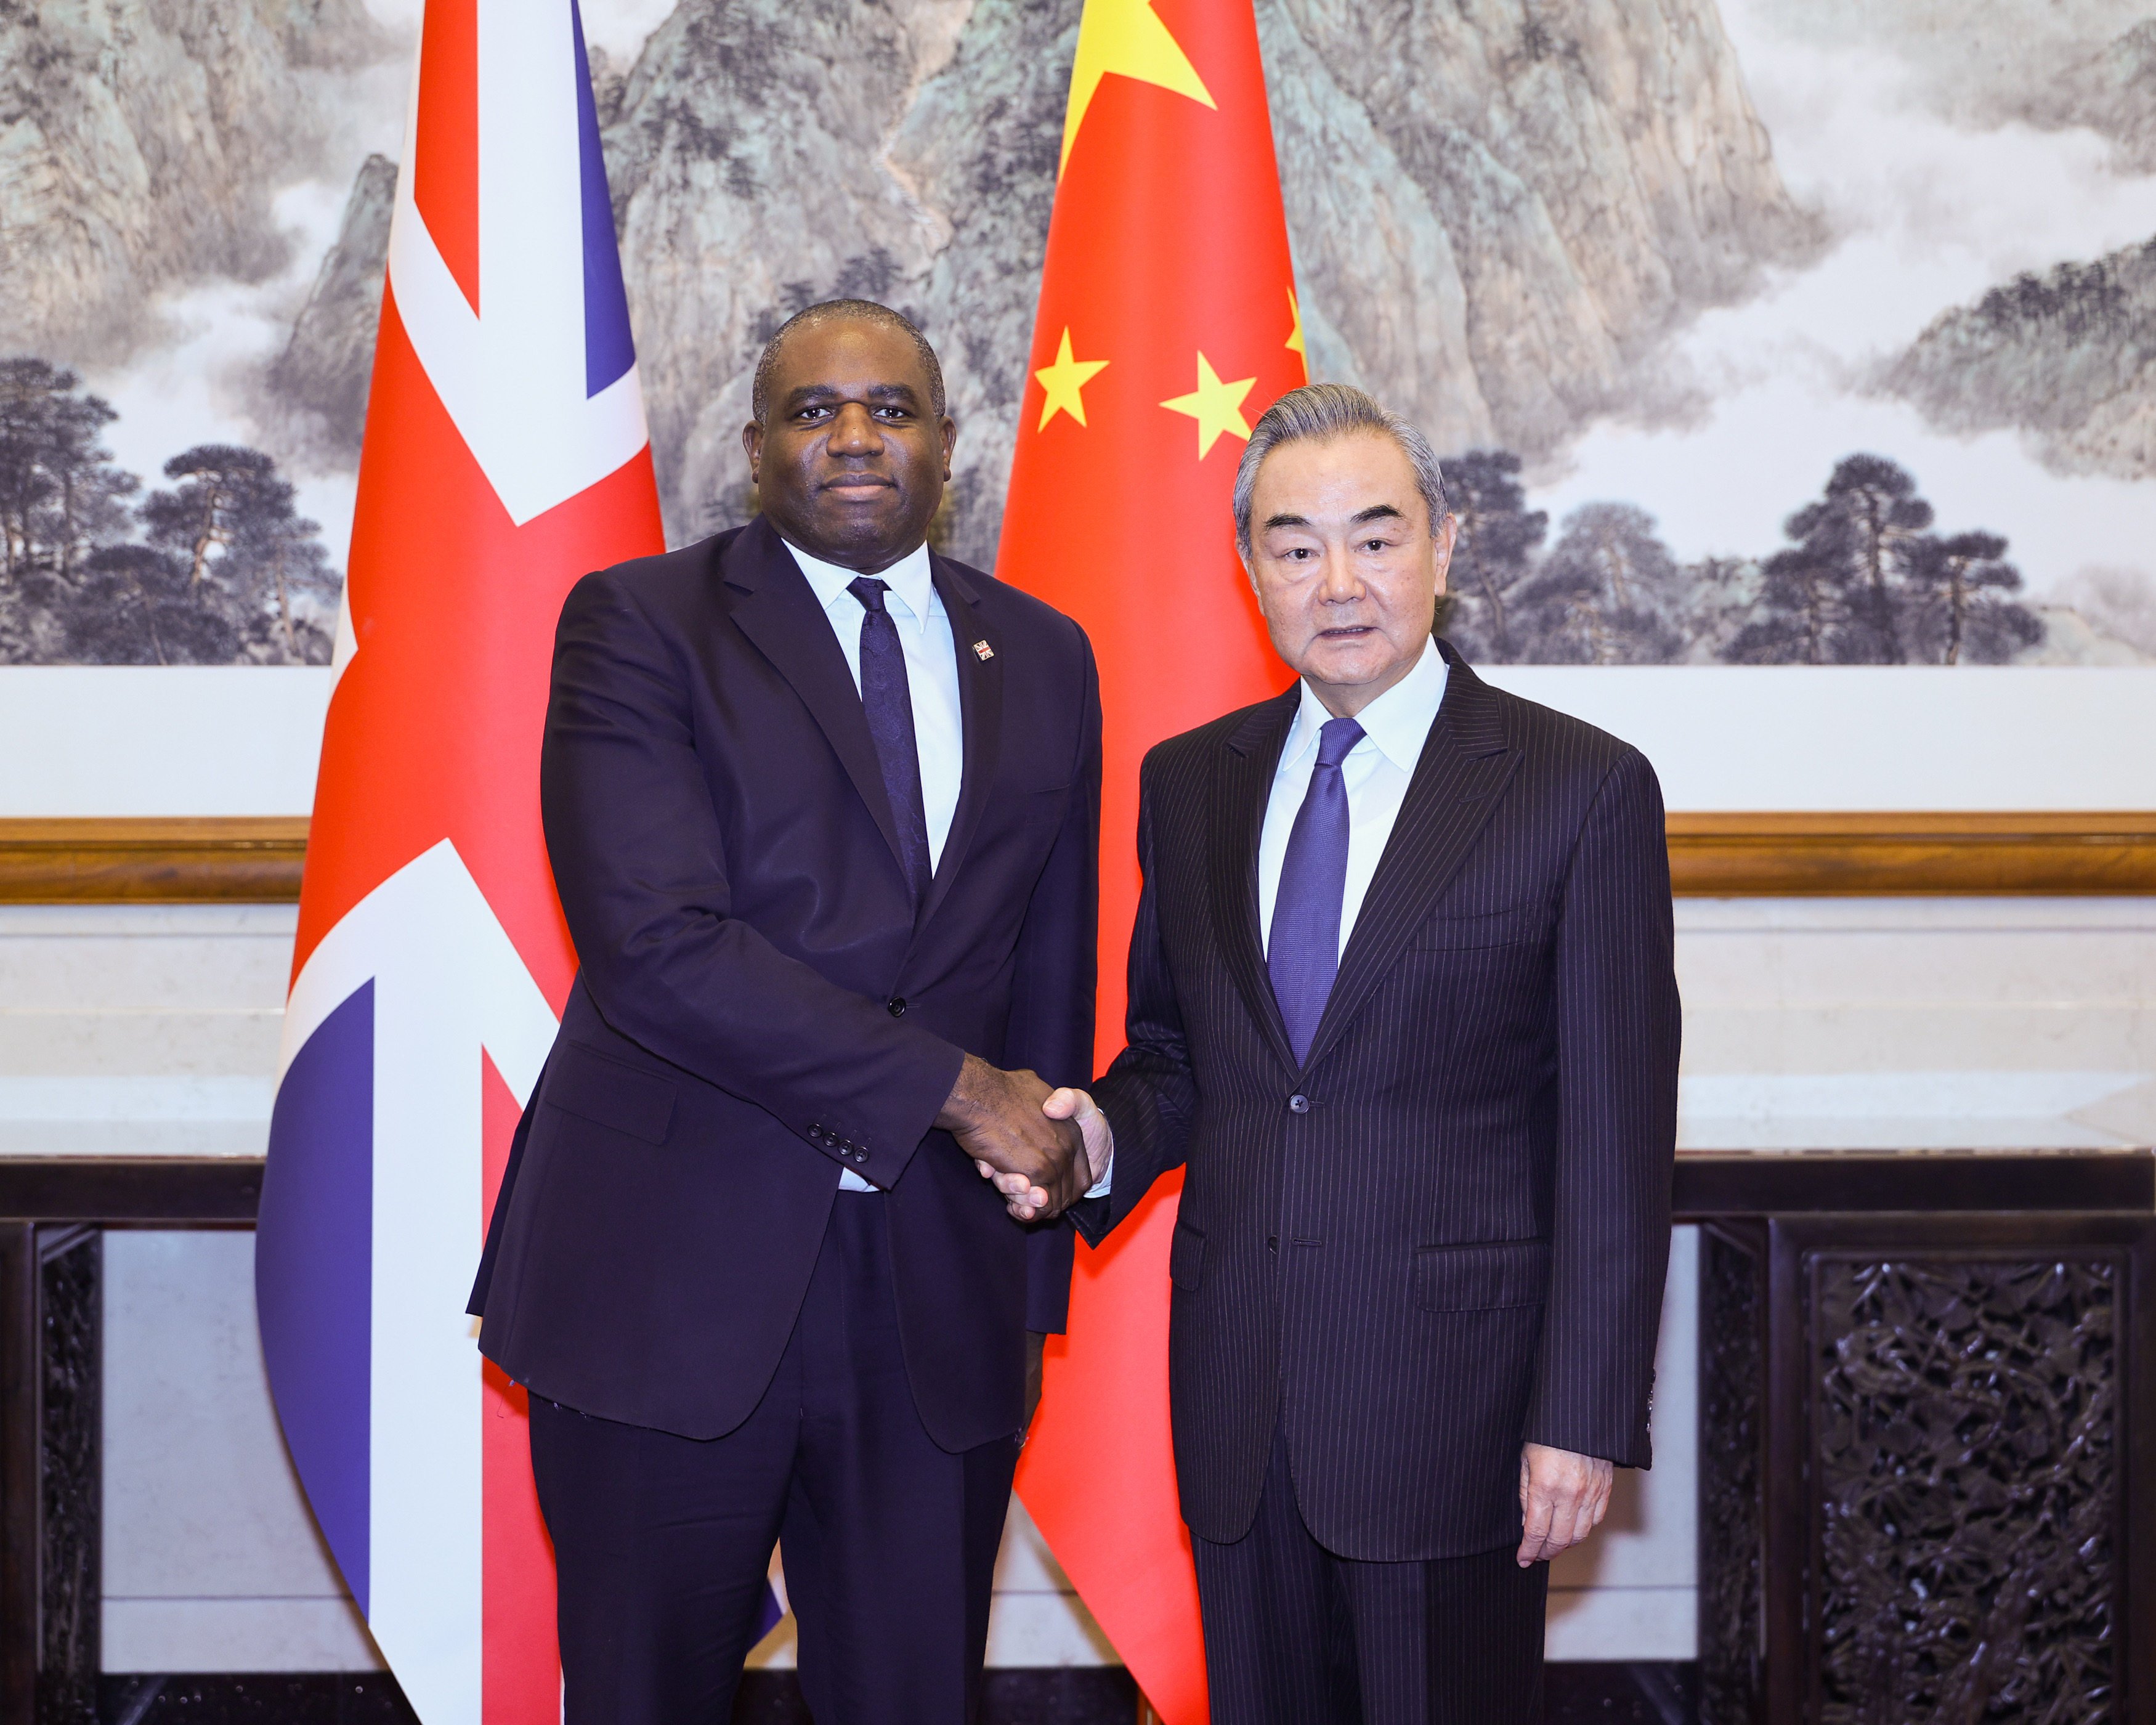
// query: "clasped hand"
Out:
[1035,1145]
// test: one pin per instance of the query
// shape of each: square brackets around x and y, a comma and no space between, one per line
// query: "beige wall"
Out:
[1831,1021]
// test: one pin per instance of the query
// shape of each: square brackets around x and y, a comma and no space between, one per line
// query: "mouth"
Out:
[1349,632]
[858,484]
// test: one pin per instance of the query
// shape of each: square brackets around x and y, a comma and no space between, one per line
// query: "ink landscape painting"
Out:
[1761,332]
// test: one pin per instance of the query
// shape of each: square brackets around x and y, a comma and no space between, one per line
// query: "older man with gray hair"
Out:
[1402,1001]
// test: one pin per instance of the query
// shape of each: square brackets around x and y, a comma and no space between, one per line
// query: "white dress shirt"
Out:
[931,679]
[932,671]
[1375,775]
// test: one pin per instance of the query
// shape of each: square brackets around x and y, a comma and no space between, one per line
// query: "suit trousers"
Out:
[1295,1636]
[662,1543]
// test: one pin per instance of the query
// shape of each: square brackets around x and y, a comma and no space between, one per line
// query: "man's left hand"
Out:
[1562,1499]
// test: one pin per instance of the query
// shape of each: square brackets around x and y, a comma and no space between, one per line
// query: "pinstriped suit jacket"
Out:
[1446,1230]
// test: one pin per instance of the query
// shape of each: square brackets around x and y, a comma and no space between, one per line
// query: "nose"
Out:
[855,431]
[1341,585]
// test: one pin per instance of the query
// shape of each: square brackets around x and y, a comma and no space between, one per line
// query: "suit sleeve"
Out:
[1150,1093]
[639,861]
[1053,989]
[1618,1025]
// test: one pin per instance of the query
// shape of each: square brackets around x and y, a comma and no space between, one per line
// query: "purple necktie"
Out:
[1303,955]
[888,701]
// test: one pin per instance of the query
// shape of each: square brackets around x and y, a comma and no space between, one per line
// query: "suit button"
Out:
[895,1006]
[816,1135]
[1298,1104]
[860,1155]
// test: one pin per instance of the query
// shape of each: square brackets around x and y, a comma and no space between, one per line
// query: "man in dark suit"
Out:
[1401,997]
[823,811]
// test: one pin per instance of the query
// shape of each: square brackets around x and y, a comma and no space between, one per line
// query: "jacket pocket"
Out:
[1485,1277]
[1186,1256]
[1494,928]
[587,1084]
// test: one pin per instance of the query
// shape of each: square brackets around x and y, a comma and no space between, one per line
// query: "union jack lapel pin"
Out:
[983,651]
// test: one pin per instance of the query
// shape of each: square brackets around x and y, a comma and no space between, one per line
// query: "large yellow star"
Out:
[1217,407]
[1125,36]
[1294,336]
[1065,381]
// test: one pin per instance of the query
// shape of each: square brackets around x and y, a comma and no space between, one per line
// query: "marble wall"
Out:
[149,1029]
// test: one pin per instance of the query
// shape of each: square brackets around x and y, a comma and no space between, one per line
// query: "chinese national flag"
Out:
[1167,324]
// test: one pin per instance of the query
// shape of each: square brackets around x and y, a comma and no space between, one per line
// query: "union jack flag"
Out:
[505,455]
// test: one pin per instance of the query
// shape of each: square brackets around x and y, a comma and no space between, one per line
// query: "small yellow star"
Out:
[1294,336]
[1064,381]
[1217,407]
[1127,39]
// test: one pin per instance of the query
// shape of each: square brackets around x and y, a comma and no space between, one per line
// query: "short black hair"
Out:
[861,310]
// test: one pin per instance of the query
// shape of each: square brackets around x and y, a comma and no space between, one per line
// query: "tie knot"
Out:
[1335,739]
[869,591]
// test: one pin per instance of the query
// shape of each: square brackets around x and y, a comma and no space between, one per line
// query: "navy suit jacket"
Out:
[759,1006]
[1444,1231]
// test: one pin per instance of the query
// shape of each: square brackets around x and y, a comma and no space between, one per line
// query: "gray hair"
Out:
[853,311]
[1318,412]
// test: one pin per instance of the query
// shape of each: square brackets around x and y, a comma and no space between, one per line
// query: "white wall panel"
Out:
[125,740]
[212,1561]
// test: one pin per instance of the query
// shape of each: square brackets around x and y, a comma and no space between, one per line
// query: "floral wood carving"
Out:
[1731,1532]
[1965,1428]
[69,1456]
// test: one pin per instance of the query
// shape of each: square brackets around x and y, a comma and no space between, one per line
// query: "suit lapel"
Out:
[981,715]
[1242,784]
[1465,765]
[774,606]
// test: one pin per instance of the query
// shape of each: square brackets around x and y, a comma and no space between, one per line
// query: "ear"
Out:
[948,430]
[1446,536]
[752,447]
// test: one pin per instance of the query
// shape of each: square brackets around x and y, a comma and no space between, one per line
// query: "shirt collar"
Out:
[1396,724]
[911,584]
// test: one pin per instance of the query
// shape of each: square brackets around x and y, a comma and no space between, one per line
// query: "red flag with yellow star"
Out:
[1167,324]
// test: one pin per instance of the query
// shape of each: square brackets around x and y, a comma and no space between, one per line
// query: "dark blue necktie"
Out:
[1303,955]
[888,701]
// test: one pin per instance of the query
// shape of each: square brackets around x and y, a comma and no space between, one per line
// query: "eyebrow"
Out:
[810,394]
[1375,512]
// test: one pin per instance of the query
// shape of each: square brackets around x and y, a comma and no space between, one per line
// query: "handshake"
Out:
[1042,1148]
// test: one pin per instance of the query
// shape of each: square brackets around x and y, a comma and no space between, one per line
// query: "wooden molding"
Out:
[106,862]
[258,861]
[1789,856]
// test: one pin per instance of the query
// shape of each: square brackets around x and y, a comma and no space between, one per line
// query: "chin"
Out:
[856,527]
[1349,668]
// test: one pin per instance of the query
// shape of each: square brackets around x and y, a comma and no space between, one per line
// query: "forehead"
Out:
[1339,475]
[847,353]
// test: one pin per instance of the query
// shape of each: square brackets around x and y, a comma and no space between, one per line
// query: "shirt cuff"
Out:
[1103,1187]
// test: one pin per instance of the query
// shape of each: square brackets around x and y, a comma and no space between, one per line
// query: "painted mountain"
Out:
[1539,229]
